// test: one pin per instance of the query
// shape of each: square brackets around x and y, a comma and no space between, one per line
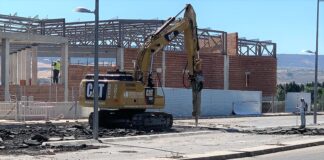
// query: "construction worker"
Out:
[302,110]
[56,70]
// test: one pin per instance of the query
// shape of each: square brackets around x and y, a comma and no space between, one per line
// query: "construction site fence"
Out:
[279,106]
[27,109]
[35,110]
[273,106]
[89,62]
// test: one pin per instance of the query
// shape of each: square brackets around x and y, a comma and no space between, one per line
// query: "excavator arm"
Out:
[164,36]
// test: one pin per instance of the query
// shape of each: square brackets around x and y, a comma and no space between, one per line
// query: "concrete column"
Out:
[5,68]
[64,69]
[226,72]
[34,65]
[14,68]
[163,68]
[10,69]
[120,58]
[23,64]
[28,66]
[19,65]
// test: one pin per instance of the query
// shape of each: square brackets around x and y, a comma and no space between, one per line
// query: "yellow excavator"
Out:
[125,96]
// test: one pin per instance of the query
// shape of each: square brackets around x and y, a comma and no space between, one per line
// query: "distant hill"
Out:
[299,61]
[299,68]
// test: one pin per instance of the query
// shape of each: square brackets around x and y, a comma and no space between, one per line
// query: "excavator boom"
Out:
[164,36]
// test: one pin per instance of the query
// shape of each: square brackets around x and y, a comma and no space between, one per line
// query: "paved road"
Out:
[253,122]
[178,146]
[174,146]
[311,153]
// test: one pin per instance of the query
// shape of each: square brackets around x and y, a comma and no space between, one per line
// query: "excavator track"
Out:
[136,119]
[152,120]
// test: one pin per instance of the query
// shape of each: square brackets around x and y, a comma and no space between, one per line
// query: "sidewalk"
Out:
[195,145]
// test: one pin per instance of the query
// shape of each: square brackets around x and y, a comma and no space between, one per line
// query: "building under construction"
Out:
[229,62]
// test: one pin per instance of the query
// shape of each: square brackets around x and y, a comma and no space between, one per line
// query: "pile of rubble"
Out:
[288,131]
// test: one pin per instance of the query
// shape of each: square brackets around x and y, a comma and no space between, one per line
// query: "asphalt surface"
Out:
[215,137]
[310,153]
[19,139]
[172,147]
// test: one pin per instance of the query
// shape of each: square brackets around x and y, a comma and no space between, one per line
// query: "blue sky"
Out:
[289,23]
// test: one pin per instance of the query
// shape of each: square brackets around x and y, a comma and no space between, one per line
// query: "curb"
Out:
[255,151]
[121,139]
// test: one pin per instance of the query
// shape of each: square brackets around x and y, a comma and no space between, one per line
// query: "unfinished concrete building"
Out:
[229,62]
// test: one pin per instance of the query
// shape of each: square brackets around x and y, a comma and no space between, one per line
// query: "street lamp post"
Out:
[316,63]
[95,125]
[315,84]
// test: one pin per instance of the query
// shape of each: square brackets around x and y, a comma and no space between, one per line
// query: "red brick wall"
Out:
[232,43]
[78,72]
[40,93]
[263,73]
[130,55]
[262,70]
[175,65]
[212,69]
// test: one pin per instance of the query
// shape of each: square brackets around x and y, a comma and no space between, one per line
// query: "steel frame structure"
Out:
[256,48]
[126,33]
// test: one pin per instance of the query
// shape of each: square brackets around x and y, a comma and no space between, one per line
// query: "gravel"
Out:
[288,131]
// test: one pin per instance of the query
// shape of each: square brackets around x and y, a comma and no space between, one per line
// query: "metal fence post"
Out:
[18,97]
[55,93]
[75,106]
[50,93]
[75,103]
[17,111]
